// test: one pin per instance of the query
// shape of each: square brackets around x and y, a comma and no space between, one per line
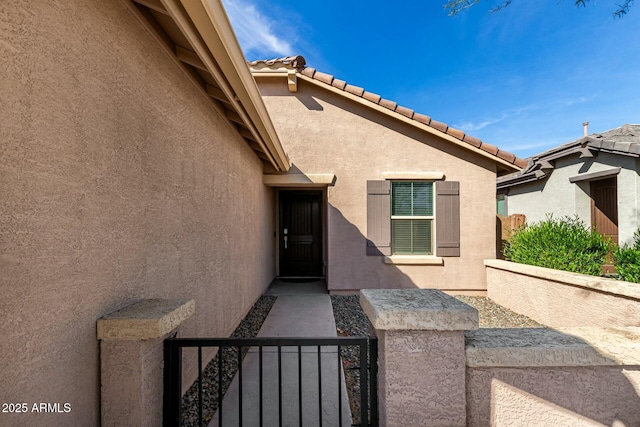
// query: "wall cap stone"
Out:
[417,309]
[612,286]
[542,347]
[146,319]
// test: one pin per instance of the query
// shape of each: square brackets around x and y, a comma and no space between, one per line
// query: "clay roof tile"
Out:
[442,127]
[521,163]
[422,118]
[323,77]
[476,142]
[407,112]
[308,71]
[388,104]
[456,133]
[297,61]
[373,97]
[358,91]
[505,155]
[340,84]
[489,148]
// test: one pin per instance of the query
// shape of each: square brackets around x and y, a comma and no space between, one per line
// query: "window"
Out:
[501,204]
[412,213]
[412,217]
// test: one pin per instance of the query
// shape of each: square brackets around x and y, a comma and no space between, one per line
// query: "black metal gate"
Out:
[234,349]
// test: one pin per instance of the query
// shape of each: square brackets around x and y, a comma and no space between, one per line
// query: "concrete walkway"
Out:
[302,310]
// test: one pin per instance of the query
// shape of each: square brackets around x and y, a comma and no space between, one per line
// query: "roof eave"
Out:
[520,180]
[503,165]
[213,37]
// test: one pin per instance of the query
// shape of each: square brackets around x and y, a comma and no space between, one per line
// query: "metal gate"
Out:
[271,358]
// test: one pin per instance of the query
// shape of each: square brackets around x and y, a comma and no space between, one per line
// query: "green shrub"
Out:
[562,244]
[626,260]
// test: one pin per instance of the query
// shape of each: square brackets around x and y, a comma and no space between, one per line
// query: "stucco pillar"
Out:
[131,360]
[421,364]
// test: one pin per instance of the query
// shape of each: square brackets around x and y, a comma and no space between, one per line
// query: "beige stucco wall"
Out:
[565,396]
[119,182]
[326,133]
[562,299]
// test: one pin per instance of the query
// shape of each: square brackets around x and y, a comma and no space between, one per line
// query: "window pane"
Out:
[422,199]
[411,198]
[401,198]
[401,236]
[421,236]
[411,236]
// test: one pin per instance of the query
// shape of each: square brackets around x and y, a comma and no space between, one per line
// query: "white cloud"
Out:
[529,147]
[257,33]
[473,127]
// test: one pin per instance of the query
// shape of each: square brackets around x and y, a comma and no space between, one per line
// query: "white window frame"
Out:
[431,218]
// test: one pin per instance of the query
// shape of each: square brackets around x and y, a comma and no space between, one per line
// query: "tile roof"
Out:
[624,140]
[299,64]
[296,62]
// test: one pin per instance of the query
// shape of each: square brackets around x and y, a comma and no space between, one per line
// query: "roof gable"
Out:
[506,161]
[623,141]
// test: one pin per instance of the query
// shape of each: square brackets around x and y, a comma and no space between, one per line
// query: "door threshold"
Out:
[300,277]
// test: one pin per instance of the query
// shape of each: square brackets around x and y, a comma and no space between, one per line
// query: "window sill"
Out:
[413,260]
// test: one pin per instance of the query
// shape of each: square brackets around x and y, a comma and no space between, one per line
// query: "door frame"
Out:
[595,211]
[322,192]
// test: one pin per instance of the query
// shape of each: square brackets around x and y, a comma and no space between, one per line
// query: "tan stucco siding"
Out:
[119,182]
[327,133]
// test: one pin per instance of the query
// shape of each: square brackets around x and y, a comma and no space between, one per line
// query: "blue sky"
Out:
[524,78]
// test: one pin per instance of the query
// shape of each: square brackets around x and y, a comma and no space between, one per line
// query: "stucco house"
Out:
[366,158]
[141,158]
[595,178]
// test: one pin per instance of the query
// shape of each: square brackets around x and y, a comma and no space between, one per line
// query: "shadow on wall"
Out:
[309,102]
[370,270]
[525,390]
[576,395]
[557,395]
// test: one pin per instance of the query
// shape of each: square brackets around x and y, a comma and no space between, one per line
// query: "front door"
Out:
[604,207]
[300,233]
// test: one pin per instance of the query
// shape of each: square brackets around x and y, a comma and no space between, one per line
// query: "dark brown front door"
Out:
[300,233]
[604,207]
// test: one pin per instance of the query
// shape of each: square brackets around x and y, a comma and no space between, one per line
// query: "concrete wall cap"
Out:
[147,319]
[417,309]
[627,289]
[542,347]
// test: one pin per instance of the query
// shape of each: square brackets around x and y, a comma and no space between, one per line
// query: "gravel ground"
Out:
[351,321]
[248,328]
[492,315]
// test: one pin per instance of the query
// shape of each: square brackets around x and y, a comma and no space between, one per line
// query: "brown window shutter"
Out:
[378,218]
[447,218]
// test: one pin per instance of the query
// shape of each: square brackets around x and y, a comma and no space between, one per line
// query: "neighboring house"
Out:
[401,200]
[135,149]
[594,177]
